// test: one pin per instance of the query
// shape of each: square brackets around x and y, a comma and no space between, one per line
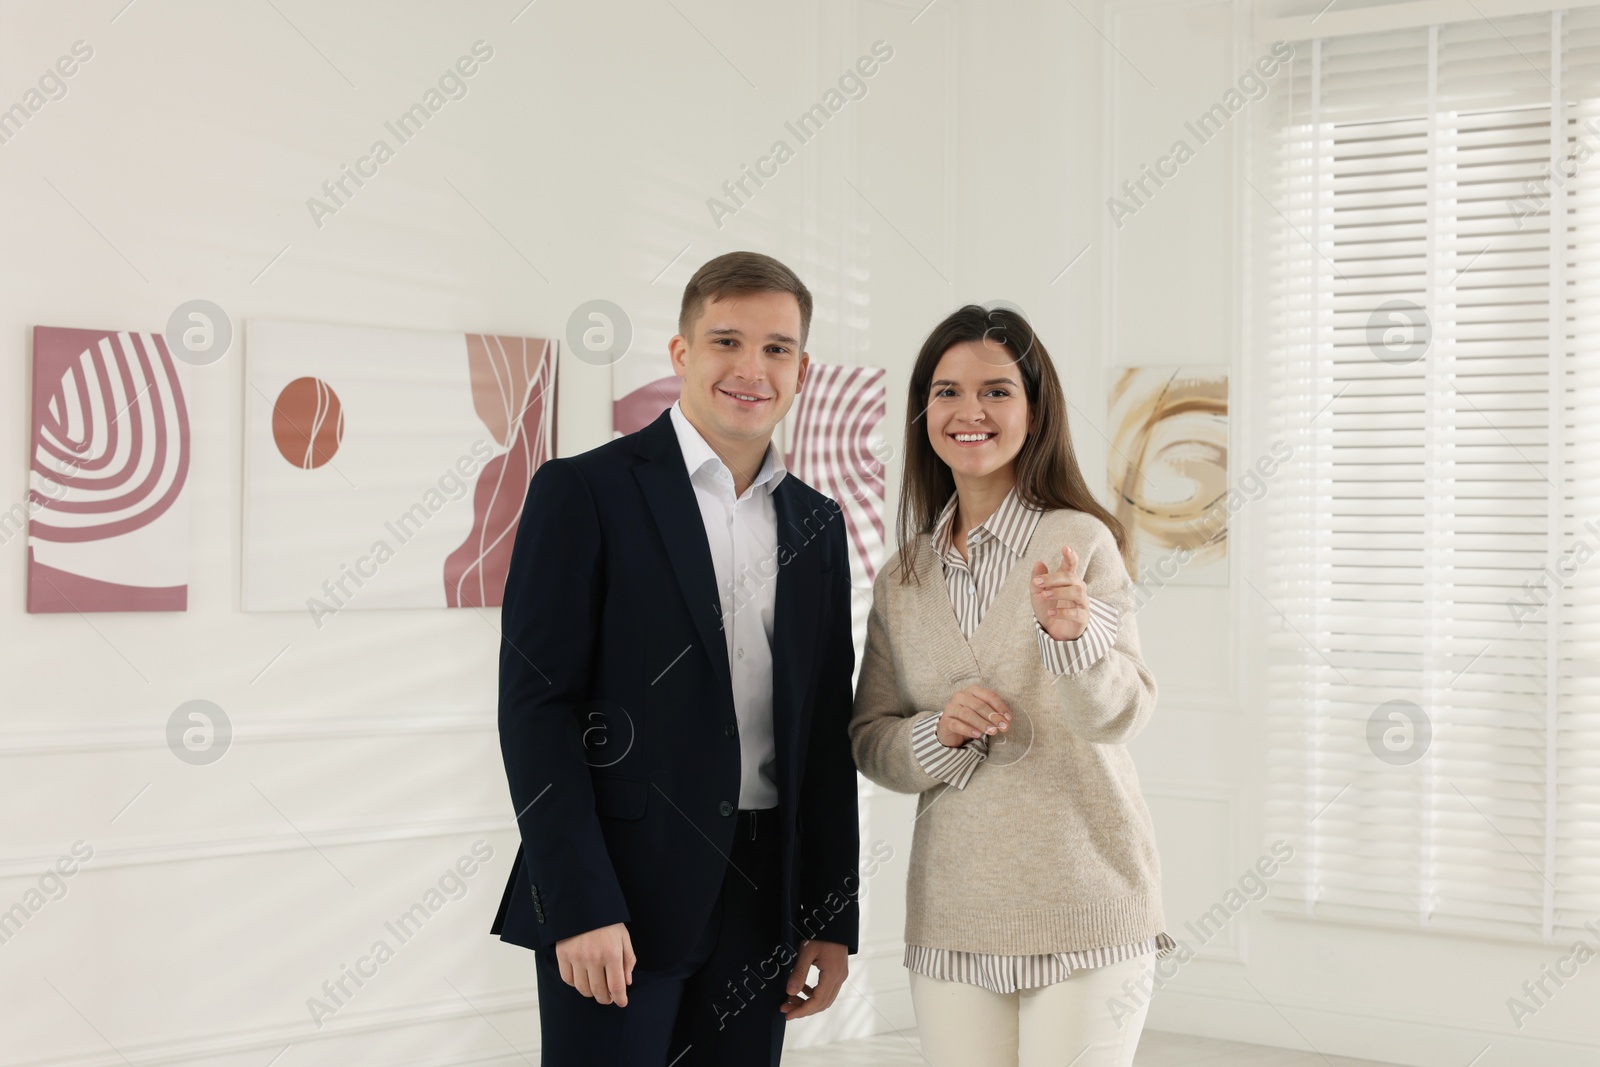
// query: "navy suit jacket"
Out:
[617,722]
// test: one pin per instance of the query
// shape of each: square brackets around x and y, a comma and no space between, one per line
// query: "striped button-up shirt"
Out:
[993,547]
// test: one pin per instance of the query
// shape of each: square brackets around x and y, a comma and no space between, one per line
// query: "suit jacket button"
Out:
[731,730]
[725,807]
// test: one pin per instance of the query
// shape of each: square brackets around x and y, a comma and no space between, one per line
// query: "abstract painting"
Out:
[108,517]
[642,387]
[1168,471]
[830,437]
[387,468]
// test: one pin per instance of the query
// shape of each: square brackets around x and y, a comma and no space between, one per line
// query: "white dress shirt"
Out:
[743,535]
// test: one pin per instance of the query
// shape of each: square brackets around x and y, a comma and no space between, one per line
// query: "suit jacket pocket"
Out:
[616,797]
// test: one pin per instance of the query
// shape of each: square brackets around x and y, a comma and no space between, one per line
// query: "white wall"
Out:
[1176,295]
[365,761]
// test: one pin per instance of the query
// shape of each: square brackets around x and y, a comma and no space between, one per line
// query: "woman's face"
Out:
[977,409]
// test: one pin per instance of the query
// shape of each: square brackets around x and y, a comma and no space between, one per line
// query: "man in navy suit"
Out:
[675,671]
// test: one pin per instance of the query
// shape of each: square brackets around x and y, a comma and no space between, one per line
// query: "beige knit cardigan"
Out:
[1050,847]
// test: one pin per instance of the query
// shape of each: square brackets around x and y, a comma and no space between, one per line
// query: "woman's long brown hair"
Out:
[1047,468]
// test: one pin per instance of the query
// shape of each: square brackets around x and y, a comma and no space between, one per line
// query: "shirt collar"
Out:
[698,453]
[1012,524]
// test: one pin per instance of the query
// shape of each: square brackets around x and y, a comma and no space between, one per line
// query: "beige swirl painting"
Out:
[1168,470]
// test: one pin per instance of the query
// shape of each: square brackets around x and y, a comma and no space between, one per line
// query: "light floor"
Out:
[1156,1049]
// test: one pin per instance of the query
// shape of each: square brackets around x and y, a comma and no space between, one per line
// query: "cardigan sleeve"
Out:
[883,719]
[1109,702]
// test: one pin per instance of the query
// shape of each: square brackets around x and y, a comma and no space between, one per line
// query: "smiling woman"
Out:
[1014,721]
[984,373]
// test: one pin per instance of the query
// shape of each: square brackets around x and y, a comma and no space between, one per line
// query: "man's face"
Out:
[741,364]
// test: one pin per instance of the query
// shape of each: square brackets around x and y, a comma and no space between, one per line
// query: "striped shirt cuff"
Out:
[1085,650]
[952,765]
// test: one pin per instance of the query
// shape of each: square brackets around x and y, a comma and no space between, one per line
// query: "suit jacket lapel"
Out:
[667,489]
[795,627]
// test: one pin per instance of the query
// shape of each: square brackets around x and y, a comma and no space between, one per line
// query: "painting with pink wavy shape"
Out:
[108,519]
[514,393]
[836,412]
[640,407]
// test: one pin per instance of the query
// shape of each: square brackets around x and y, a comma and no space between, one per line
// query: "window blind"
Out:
[1428,297]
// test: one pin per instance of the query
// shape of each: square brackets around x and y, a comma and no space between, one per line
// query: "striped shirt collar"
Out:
[1012,524]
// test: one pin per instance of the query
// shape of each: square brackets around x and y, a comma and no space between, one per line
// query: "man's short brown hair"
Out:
[742,272]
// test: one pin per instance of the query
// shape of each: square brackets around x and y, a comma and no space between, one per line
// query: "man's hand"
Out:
[598,963]
[833,963]
[1060,599]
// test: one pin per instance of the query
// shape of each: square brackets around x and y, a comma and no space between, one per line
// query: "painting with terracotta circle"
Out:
[307,422]
[1168,470]
[107,508]
[387,468]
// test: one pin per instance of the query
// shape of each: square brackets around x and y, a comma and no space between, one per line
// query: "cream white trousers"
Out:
[1066,1024]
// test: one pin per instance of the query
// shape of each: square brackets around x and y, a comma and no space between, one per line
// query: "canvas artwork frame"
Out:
[1167,469]
[387,468]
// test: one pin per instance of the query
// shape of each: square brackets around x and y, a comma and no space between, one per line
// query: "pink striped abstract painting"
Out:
[834,416]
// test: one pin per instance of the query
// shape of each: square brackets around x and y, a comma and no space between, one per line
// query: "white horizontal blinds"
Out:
[1495,91]
[1430,353]
[1577,757]
[1354,189]
[1292,278]
[1367,600]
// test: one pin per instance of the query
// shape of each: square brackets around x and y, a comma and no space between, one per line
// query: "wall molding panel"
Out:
[113,738]
[312,834]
